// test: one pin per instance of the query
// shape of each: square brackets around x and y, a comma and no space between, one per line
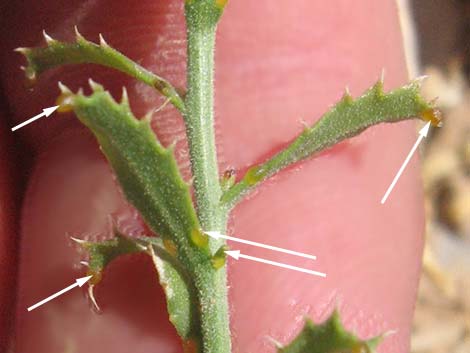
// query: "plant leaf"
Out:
[58,53]
[329,337]
[147,172]
[346,119]
[182,302]
[102,253]
[176,282]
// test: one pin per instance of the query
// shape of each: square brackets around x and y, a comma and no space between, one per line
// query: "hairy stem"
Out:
[211,285]
[199,118]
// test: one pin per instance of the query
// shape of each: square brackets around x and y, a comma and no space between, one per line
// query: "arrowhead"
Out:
[83,280]
[233,253]
[213,234]
[424,131]
[50,110]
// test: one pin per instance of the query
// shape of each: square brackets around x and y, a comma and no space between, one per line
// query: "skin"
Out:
[277,66]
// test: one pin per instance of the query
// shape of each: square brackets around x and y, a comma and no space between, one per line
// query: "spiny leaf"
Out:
[102,253]
[329,337]
[347,118]
[58,53]
[176,282]
[147,172]
[150,179]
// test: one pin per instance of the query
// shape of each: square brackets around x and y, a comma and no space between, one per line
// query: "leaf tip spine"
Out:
[49,40]
[382,76]
[23,50]
[124,98]
[347,97]
[96,87]
[103,43]
[147,118]
[63,88]
[80,242]
[378,88]
[78,36]
[275,343]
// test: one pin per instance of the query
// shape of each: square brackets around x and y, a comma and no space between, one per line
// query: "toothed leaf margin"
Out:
[345,119]
[175,281]
[329,337]
[58,53]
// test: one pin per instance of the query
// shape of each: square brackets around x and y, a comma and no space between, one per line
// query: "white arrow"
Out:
[45,112]
[422,134]
[237,255]
[78,283]
[217,235]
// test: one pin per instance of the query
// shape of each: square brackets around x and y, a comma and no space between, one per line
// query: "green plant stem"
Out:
[199,118]
[211,284]
[211,288]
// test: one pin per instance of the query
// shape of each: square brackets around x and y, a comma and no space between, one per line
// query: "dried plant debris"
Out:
[442,317]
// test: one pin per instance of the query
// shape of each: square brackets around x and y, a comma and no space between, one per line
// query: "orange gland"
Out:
[64,101]
[97,276]
[218,262]
[190,346]
[433,115]
[254,175]
[199,239]
[221,3]
[219,258]
[170,246]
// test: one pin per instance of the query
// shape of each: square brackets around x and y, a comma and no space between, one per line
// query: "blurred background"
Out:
[438,39]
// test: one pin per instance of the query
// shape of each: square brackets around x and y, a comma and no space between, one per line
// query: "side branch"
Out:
[82,51]
[346,119]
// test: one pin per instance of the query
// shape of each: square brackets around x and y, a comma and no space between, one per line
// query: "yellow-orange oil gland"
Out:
[218,261]
[254,175]
[221,3]
[199,239]
[97,276]
[64,101]
[190,346]
[170,246]
[433,115]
